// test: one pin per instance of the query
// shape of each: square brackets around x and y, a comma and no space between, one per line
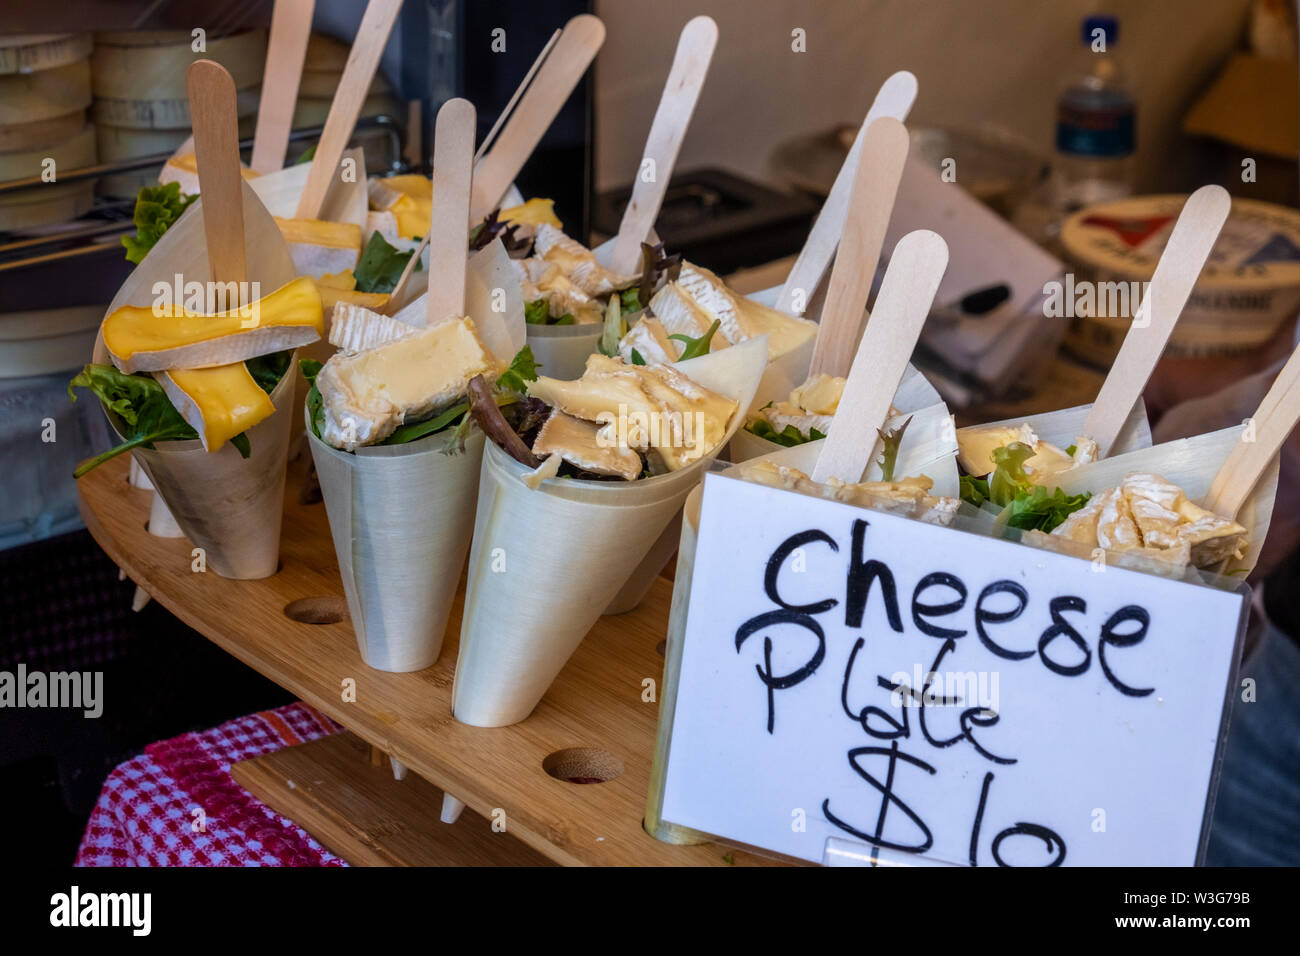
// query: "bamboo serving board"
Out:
[595,704]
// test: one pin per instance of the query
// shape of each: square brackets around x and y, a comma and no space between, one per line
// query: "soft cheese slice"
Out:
[646,407]
[581,444]
[909,497]
[741,319]
[367,395]
[319,248]
[408,198]
[185,171]
[218,403]
[820,395]
[679,315]
[141,339]
[578,262]
[342,287]
[535,212]
[354,329]
[649,339]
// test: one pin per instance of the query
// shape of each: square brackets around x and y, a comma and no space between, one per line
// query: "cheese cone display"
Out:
[402,516]
[517,633]
[1145,510]
[225,504]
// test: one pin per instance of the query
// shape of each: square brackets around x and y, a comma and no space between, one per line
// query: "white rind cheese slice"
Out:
[366,396]
[581,444]
[354,328]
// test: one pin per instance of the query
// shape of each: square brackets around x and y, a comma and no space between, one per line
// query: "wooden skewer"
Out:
[363,60]
[560,73]
[906,294]
[1275,419]
[894,99]
[285,52]
[884,152]
[453,169]
[506,113]
[1180,264]
[216,151]
[667,130]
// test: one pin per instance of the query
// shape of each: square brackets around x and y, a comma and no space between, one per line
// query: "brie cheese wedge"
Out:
[367,395]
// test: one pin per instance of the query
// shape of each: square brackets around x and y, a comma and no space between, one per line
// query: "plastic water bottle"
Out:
[1095,123]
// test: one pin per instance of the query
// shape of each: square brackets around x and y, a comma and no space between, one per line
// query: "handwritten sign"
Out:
[854,675]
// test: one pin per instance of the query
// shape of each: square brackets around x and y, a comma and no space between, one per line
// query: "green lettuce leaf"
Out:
[409,433]
[892,441]
[139,401]
[788,436]
[522,370]
[315,404]
[696,347]
[1024,505]
[156,208]
[380,266]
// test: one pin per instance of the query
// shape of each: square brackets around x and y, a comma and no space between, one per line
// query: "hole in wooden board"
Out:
[583,765]
[661,647]
[316,610]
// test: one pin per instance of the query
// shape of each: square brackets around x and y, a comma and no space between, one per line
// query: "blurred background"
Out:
[1048,140]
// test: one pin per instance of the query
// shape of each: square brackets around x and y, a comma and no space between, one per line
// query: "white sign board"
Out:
[854,675]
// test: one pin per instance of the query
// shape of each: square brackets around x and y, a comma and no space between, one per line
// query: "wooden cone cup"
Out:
[401,516]
[519,628]
[400,563]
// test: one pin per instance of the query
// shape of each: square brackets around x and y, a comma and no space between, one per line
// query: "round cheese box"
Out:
[1249,286]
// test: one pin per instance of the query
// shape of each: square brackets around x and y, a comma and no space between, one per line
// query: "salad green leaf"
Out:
[307,156]
[156,208]
[522,370]
[615,328]
[637,358]
[699,346]
[408,433]
[788,436]
[538,312]
[892,440]
[315,403]
[1024,505]
[380,266]
[139,401]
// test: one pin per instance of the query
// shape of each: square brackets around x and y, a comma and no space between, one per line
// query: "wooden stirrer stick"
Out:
[1180,264]
[1275,419]
[906,294]
[894,99]
[884,151]
[453,169]
[667,130]
[285,52]
[358,72]
[540,104]
[216,150]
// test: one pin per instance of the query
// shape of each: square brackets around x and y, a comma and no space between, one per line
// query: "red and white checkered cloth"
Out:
[177,805]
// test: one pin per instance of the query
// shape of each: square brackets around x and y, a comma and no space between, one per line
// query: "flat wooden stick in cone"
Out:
[1266,431]
[667,130]
[363,60]
[285,52]
[906,294]
[453,169]
[895,100]
[884,151]
[541,103]
[1180,264]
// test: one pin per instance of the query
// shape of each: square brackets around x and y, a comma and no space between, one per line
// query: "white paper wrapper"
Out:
[228,506]
[401,517]
[545,563]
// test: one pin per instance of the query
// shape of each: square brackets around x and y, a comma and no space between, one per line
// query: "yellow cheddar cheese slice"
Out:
[218,403]
[533,213]
[152,339]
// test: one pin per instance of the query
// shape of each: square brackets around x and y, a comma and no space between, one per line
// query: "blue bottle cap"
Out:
[1108,25]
